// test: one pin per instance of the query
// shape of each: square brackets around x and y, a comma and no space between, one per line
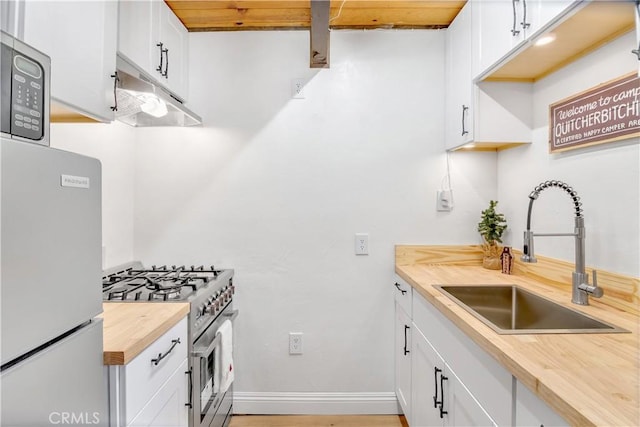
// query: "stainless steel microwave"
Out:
[25,74]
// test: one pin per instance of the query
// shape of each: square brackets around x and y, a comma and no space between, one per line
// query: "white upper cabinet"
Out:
[174,37]
[151,37]
[489,115]
[80,38]
[501,29]
[506,24]
[459,85]
[543,12]
[636,49]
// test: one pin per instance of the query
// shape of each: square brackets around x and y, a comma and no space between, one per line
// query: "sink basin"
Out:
[509,309]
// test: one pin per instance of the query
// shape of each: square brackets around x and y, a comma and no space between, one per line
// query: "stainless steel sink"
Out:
[509,309]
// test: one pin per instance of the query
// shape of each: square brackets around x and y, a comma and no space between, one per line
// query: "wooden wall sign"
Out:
[605,113]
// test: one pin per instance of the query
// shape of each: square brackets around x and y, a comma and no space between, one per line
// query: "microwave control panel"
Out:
[27,98]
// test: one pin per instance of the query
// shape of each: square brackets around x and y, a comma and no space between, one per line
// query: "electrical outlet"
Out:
[362,243]
[297,88]
[295,342]
[444,201]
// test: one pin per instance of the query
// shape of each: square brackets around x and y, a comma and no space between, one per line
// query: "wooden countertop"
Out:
[129,328]
[589,379]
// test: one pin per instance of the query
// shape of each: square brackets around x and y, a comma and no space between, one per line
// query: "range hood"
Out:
[142,103]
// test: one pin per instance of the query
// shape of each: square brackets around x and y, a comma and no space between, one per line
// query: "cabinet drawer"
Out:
[143,377]
[403,292]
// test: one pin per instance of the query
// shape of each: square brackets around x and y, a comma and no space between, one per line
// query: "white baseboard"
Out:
[315,403]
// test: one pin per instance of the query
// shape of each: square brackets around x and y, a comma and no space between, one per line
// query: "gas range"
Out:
[209,293]
[207,289]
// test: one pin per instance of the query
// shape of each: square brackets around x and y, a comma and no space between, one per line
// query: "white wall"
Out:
[606,177]
[113,145]
[276,188]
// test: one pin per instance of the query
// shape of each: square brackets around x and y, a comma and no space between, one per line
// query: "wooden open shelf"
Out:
[61,114]
[488,146]
[586,29]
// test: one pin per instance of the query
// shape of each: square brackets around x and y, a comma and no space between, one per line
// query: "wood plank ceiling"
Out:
[234,15]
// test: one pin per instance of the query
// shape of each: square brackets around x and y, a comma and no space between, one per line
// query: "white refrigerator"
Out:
[50,288]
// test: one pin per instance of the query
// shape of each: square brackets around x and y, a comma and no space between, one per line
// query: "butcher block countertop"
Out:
[589,379]
[129,328]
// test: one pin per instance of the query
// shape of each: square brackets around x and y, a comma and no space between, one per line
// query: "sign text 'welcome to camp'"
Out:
[605,113]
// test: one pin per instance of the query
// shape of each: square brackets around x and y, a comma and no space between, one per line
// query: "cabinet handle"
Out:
[116,79]
[514,32]
[524,22]
[464,110]
[166,64]
[400,289]
[161,54]
[442,411]
[190,402]
[436,402]
[162,356]
[636,52]
[163,51]
[405,340]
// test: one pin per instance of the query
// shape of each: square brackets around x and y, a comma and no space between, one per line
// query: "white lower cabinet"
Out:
[403,336]
[482,376]
[153,388]
[531,411]
[402,350]
[439,397]
[446,379]
[167,407]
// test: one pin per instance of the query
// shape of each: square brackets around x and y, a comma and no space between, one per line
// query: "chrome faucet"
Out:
[580,289]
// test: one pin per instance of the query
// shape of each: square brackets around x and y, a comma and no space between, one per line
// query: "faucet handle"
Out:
[597,292]
[594,290]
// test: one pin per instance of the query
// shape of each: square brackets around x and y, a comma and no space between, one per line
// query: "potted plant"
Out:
[491,227]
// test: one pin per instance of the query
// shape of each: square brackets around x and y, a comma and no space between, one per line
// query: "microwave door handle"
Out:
[208,350]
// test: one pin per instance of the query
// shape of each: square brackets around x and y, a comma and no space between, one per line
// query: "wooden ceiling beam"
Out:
[232,15]
[232,19]
[320,11]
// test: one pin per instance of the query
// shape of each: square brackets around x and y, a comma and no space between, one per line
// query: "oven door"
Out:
[210,407]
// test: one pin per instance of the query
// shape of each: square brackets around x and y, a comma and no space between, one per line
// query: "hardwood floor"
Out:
[318,421]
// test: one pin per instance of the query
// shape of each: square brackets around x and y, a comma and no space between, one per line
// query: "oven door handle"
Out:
[232,315]
[206,352]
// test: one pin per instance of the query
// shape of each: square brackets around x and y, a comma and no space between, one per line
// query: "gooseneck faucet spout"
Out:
[580,279]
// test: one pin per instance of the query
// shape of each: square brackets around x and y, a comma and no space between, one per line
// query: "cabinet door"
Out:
[542,12]
[531,411]
[174,37]
[459,85]
[462,408]
[138,34]
[167,407]
[403,360]
[426,367]
[636,48]
[80,38]
[501,29]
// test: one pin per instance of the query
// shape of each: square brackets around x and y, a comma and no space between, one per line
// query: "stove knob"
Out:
[233,289]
